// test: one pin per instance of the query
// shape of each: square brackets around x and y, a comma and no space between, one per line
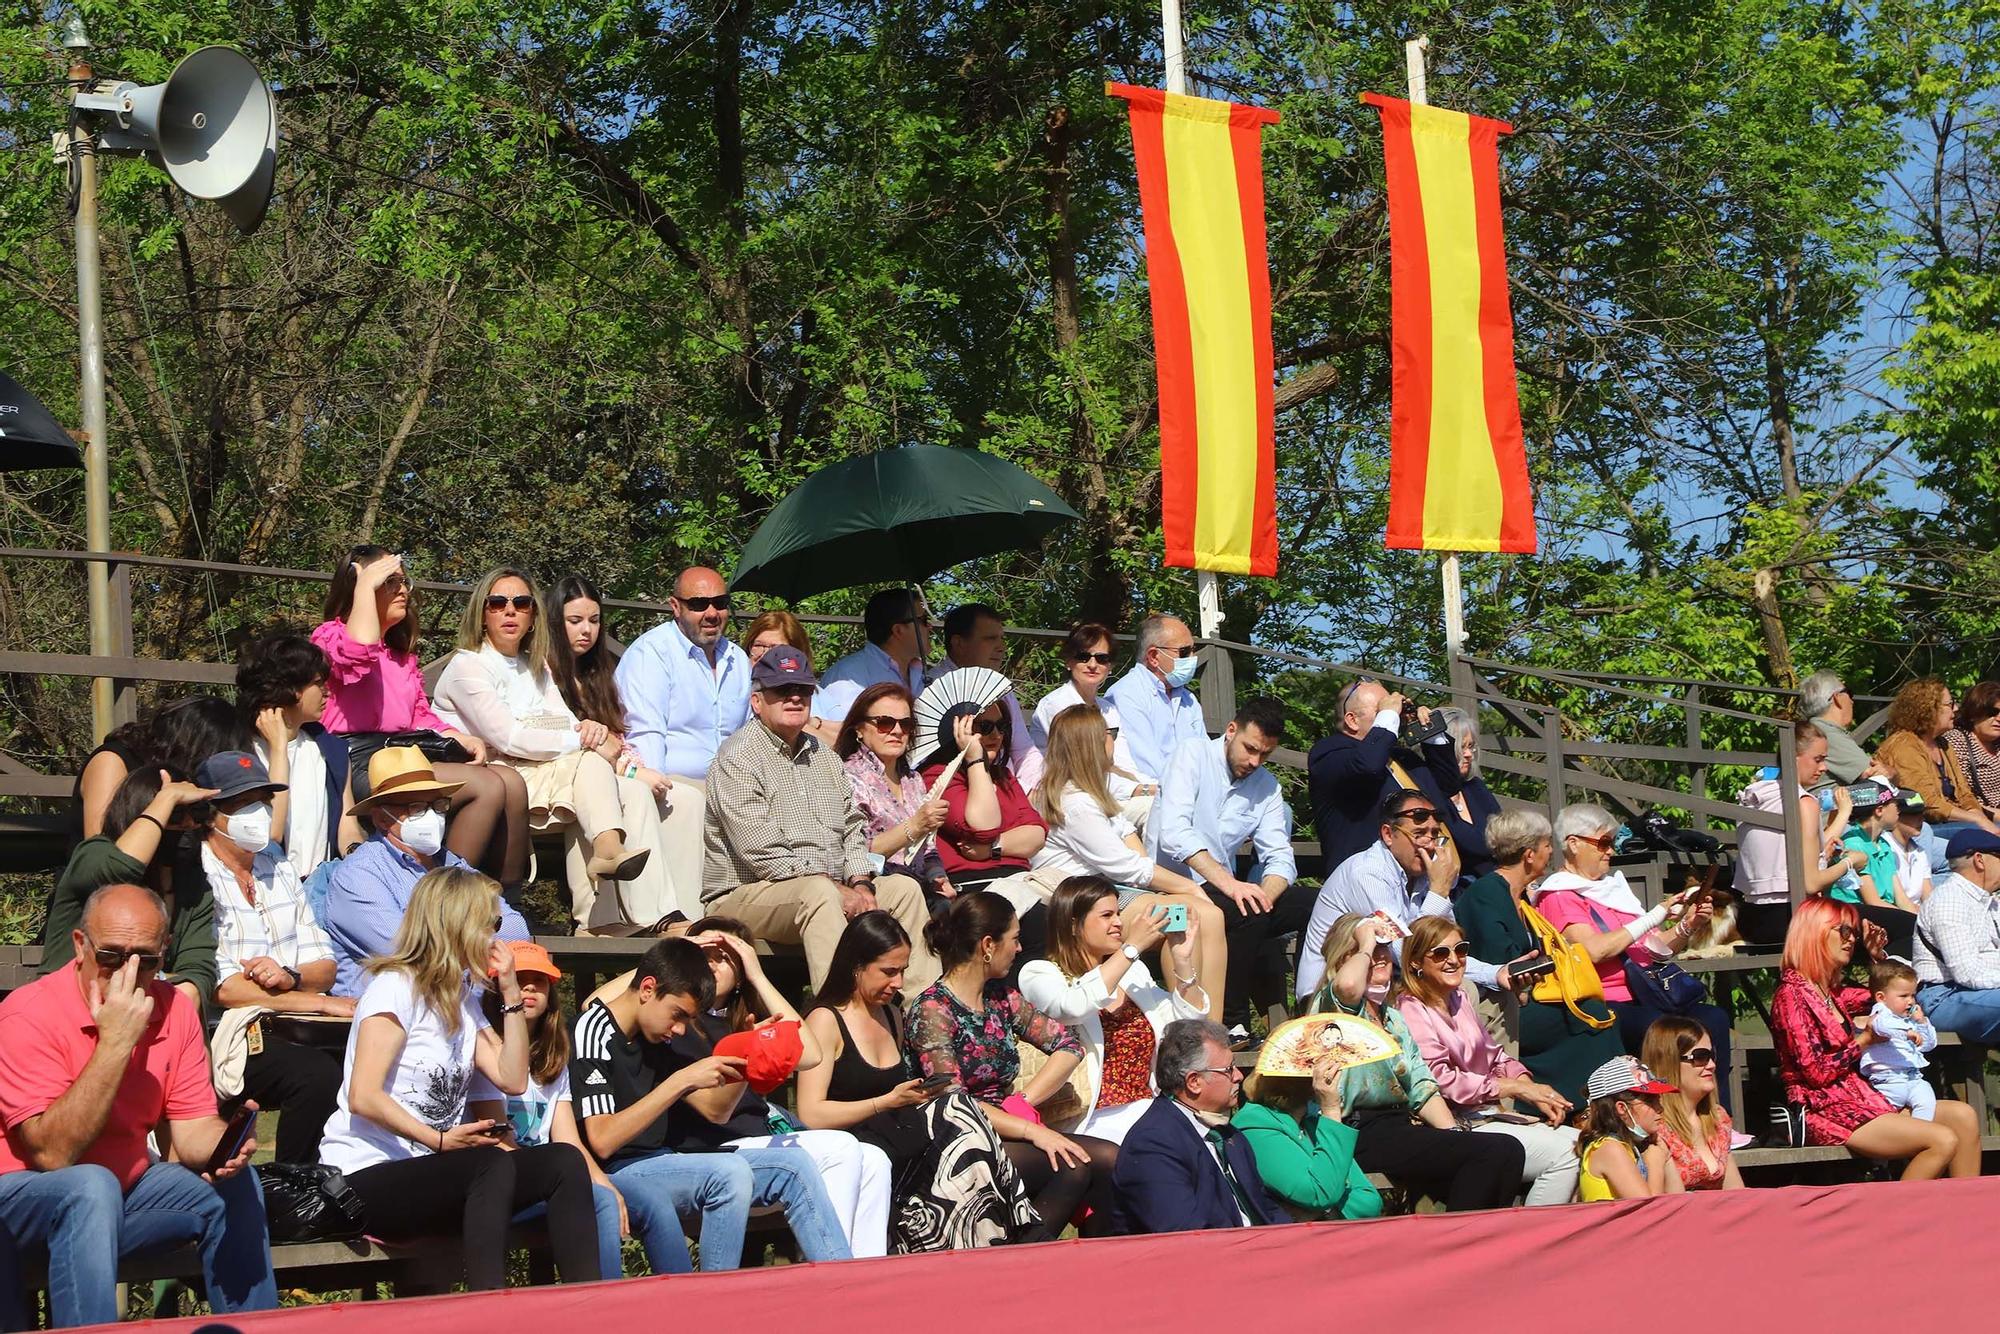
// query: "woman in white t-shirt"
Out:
[544,1113]
[1088,836]
[399,1133]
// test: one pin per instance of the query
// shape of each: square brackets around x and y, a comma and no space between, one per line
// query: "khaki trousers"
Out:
[648,896]
[806,911]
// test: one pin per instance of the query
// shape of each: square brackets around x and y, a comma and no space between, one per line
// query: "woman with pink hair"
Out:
[1819,1052]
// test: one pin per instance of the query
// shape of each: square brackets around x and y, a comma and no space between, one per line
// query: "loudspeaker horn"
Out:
[213,126]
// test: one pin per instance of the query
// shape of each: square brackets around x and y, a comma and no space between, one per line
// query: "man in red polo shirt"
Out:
[92,1058]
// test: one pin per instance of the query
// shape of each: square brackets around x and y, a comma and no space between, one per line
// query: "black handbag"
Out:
[1665,986]
[309,1202]
[436,746]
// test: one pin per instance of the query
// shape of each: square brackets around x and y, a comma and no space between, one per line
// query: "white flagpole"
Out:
[1208,593]
[1454,593]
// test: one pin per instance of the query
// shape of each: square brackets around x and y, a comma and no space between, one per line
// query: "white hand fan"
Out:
[955,692]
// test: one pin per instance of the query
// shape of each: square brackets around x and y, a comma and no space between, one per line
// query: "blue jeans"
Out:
[1972,1013]
[1939,836]
[74,1211]
[722,1188]
[610,1246]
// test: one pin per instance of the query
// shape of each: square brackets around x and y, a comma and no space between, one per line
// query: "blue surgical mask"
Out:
[1638,1132]
[1182,673]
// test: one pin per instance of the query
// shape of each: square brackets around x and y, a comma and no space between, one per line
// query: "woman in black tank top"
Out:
[954,1187]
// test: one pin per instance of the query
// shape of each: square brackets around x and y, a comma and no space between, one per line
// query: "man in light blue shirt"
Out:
[898,626]
[1156,710]
[1405,874]
[686,689]
[1215,796]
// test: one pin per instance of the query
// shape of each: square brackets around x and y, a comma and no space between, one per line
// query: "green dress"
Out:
[1309,1167]
[1559,1049]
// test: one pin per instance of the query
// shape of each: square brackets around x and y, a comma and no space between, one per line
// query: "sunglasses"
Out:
[113,959]
[1101,659]
[1845,932]
[986,726]
[1418,817]
[790,693]
[720,603]
[1602,842]
[519,602]
[1184,651]
[1439,953]
[1699,1056]
[497,920]
[883,722]
[396,583]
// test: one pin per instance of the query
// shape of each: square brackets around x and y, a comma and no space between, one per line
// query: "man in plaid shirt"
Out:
[1958,941]
[786,847]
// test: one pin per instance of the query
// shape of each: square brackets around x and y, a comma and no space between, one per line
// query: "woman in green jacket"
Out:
[1305,1152]
[152,837]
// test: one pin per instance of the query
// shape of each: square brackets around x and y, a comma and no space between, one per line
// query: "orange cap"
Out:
[531,958]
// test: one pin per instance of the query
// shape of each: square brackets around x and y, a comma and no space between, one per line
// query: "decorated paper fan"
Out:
[1299,1045]
[964,690]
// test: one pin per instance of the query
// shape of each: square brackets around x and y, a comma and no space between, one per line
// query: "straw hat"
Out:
[403,773]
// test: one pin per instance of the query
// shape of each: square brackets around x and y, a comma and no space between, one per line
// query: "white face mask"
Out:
[422,833]
[250,828]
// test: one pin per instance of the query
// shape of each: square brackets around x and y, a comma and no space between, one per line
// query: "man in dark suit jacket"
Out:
[1182,1165]
[1347,774]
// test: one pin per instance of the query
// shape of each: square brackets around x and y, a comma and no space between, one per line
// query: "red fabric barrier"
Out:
[1832,1258]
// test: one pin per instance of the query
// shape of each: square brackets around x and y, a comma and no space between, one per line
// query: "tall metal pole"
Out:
[97,451]
[1207,590]
[1454,591]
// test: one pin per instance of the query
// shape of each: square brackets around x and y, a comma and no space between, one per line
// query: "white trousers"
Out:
[1550,1170]
[856,1177]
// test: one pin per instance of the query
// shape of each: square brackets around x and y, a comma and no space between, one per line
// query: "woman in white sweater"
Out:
[1097,985]
[498,688]
[1089,836]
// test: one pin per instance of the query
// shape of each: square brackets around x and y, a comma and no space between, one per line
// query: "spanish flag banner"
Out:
[1201,189]
[1458,473]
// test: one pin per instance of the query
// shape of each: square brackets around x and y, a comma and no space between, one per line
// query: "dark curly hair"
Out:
[275,670]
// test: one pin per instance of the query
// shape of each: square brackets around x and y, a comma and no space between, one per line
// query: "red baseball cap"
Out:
[770,1051]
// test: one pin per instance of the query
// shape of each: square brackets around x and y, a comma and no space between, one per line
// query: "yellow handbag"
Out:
[1575,978]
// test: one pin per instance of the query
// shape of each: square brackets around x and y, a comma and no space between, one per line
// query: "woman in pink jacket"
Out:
[376,690]
[1471,1070]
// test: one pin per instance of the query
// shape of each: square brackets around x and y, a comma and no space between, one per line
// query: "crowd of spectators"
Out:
[1038,943]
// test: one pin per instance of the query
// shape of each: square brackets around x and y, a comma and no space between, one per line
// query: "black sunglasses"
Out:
[1102,659]
[883,722]
[114,959]
[520,602]
[1699,1056]
[986,726]
[1184,651]
[1420,816]
[720,603]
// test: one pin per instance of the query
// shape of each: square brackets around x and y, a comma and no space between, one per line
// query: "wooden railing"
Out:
[1532,752]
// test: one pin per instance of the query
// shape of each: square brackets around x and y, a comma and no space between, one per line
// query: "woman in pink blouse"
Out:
[1471,1070]
[377,688]
[874,746]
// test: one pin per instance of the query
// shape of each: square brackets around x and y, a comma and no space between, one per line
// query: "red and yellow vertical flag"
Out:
[1201,189]
[1458,472]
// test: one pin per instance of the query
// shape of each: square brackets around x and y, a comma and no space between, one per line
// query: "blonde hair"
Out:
[1425,933]
[446,931]
[1340,944]
[1671,1037]
[472,625]
[1075,758]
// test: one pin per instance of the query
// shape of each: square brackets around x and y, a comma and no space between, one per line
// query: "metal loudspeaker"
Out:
[213,127]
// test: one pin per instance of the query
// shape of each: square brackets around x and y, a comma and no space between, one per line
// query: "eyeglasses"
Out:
[402,808]
[883,722]
[1602,842]
[1439,953]
[497,920]
[1699,1056]
[113,959]
[1229,1070]
[1101,659]
[1111,732]
[519,602]
[986,726]
[720,603]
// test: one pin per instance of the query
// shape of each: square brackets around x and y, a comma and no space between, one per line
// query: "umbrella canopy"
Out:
[901,514]
[29,436]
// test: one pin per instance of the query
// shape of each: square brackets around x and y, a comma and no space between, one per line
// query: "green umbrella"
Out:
[900,514]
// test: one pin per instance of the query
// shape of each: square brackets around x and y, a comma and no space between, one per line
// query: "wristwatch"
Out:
[293,973]
[1131,953]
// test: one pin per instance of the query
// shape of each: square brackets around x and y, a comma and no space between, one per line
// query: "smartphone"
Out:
[1533,970]
[1176,918]
[935,1083]
[232,1139]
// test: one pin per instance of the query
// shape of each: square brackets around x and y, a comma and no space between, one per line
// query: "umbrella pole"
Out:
[97,453]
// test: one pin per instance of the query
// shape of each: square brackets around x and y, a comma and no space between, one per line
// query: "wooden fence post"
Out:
[124,692]
[1788,802]
[1698,775]
[1552,750]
